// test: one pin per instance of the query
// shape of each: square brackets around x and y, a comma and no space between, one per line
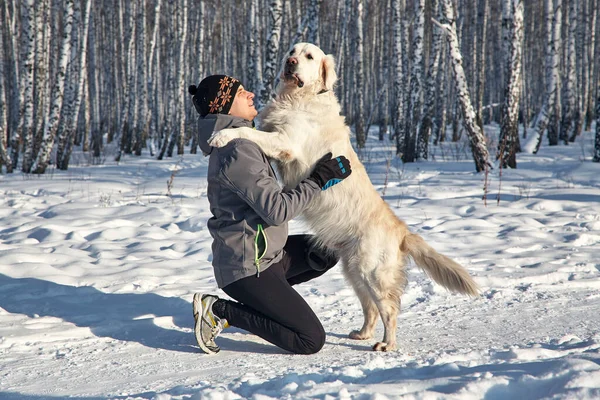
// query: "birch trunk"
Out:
[416,86]
[198,55]
[430,92]
[442,82]
[154,81]
[42,71]
[252,82]
[553,26]
[94,89]
[594,10]
[359,105]
[271,59]
[127,116]
[512,22]
[181,87]
[477,140]
[568,127]
[4,156]
[25,129]
[484,7]
[597,138]
[384,108]
[143,119]
[312,35]
[398,100]
[51,125]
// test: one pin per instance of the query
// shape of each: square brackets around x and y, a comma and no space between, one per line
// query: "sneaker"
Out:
[207,326]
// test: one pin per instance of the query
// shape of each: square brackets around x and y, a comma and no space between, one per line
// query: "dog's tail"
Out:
[440,268]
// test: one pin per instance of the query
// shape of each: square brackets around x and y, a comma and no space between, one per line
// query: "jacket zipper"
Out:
[257,257]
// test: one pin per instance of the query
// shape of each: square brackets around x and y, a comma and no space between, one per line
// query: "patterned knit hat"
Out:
[215,94]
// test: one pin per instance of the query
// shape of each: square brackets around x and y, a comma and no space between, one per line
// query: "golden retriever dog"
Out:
[299,126]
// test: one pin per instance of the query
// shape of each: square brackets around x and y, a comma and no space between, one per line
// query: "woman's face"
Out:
[243,105]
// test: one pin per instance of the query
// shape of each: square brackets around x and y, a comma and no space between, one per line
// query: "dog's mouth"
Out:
[291,76]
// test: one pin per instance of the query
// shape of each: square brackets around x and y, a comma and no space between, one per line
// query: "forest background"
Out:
[93,72]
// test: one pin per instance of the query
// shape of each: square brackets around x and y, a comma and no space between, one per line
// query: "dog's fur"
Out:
[302,124]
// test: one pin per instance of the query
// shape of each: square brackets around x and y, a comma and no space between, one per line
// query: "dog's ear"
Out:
[328,72]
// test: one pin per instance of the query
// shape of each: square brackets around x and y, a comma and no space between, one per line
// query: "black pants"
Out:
[270,308]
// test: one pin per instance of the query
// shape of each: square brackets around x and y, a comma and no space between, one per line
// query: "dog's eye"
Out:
[292,53]
[309,56]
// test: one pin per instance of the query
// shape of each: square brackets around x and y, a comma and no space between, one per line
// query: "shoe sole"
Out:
[197,304]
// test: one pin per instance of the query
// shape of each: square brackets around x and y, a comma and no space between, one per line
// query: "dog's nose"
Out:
[292,61]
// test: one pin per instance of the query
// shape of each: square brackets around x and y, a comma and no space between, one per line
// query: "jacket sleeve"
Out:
[245,171]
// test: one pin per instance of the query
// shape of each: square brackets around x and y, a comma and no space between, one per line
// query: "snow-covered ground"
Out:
[98,267]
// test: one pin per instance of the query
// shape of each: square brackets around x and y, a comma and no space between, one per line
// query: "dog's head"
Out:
[307,68]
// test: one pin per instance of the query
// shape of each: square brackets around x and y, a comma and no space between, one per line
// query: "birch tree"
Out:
[4,156]
[359,104]
[430,92]
[482,20]
[128,106]
[512,22]
[253,55]
[594,9]
[570,106]
[143,119]
[178,135]
[25,129]
[76,93]
[398,99]
[271,60]
[384,108]
[416,83]
[476,138]
[553,26]
[42,66]
[154,60]
[312,34]
[597,137]
[51,125]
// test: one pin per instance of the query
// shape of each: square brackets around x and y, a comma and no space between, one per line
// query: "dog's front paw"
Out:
[221,138]
[381,346]
[359,335]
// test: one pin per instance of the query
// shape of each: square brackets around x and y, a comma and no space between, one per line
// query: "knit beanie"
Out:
[215,94]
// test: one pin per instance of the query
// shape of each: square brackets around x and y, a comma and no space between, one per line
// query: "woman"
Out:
[254,260]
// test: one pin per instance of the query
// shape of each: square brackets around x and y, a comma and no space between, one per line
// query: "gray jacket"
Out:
[250,209]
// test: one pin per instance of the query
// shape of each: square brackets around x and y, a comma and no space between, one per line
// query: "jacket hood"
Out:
[216,122]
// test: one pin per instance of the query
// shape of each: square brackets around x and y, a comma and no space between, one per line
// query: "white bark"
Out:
[143,119]
[570,105]
[553,27]
[398,100]
[4,156]
[272,49]
[477,140]
[77,84]
[426,123]
[41,86]
[252,82]
[182,68]
[359,106]
[154,79]
[591,51]
[512,11]
[416,82]
[25,129]
[51,125]
[597,138]
[313,22]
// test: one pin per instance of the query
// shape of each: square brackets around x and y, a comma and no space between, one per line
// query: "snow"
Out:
[98,267]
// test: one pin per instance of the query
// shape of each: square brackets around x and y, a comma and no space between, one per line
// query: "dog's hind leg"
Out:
[387,289]
[389,307]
